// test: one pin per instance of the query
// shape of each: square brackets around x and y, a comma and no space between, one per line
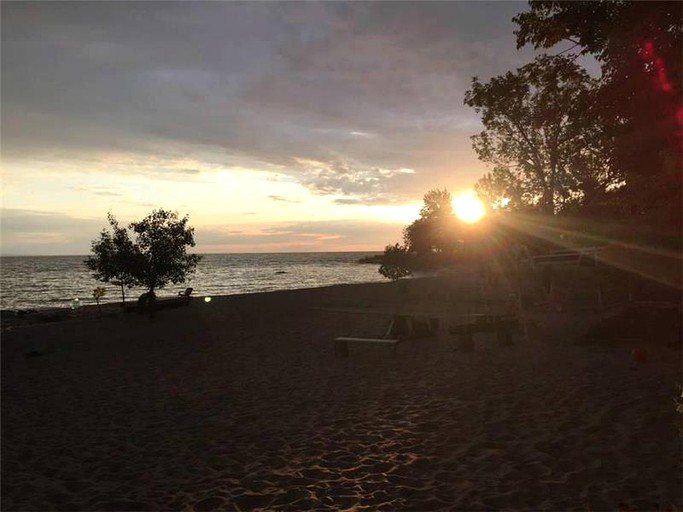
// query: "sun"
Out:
[468,208]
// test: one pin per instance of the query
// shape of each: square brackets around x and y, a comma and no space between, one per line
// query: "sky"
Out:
[277,127]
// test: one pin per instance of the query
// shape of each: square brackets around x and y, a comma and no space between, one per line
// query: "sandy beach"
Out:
[240,404]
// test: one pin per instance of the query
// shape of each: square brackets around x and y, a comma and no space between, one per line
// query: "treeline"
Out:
[435,239]
[561,142]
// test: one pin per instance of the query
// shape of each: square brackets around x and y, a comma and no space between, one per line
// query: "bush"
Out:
[396,262]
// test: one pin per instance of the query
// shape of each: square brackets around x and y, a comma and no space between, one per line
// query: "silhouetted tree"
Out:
[429,241]
[157,256]
[503,189]
[396,262]
[640,48]
[161,250]
[540,133]
[114,257]
[436,230]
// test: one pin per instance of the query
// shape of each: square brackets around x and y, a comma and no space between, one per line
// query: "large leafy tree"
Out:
[622,35]
[161,245]
[435,231]
[156,255]
[541,135]
[429,241]
[640,48]
[113,258]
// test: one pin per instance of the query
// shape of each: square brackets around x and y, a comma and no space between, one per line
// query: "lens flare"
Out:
[468,207]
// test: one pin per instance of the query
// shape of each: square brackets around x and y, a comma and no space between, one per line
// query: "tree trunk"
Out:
[547,204]
[151,302]
[123,295]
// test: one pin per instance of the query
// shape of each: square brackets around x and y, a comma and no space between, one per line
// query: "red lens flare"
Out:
[648,54]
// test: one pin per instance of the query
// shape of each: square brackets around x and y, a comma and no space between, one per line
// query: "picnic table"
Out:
[421,324]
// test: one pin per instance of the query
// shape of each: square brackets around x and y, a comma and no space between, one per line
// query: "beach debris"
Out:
[207,299]
[76,303]
[281,272]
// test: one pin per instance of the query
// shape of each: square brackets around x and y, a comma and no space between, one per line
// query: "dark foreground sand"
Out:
[239,404]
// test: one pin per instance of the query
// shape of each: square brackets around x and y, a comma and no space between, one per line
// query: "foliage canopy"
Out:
[396,262]
[435,231]
[540,132]
[113,257]
[161,249]
[156,256]
[639,46]
[429,241]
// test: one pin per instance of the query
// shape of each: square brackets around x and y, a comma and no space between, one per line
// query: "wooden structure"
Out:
[400,328]
[502,325]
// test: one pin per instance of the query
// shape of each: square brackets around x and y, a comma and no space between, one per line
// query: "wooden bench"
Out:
[502,325]
[401,327]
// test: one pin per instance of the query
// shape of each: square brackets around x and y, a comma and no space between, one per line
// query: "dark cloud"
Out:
[366,86]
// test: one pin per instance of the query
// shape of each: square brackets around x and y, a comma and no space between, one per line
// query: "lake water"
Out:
[31,282]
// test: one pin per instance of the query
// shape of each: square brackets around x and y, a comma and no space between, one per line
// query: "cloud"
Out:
[41,232]
[184,171]
[98,191]
[343,177]
[314,235]
[274,197]
[258,84]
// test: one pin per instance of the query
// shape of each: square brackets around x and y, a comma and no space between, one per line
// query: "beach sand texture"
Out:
[240,404]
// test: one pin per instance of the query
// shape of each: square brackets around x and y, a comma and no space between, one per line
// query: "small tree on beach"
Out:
[113,258]
[98,293]
[155,256]
[161,245]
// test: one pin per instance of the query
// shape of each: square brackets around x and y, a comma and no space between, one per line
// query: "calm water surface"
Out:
[29,282]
